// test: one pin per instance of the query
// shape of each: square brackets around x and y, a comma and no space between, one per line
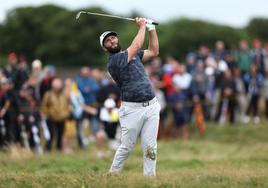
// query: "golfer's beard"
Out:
[114,50]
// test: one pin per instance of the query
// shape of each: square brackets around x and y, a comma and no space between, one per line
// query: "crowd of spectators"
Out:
[222,85]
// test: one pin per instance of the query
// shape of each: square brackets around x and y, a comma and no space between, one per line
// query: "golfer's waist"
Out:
[139,104]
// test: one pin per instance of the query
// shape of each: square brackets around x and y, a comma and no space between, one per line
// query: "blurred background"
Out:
[39,29]
[212,67]
[56,97]
[211,76]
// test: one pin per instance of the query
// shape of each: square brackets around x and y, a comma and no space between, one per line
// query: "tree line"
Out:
[52,34]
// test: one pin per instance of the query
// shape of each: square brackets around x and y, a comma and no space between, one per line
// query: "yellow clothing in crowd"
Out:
[70,129]
[55,106]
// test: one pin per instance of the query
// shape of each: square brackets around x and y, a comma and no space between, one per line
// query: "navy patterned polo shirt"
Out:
[130,77]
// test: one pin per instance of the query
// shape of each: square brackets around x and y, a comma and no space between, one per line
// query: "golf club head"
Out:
[78,14]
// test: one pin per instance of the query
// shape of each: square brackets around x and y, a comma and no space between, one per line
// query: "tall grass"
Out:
[230,156]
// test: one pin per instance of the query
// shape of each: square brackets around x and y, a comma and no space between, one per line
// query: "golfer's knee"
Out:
[150,152]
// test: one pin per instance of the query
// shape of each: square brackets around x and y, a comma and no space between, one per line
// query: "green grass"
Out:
[230,156]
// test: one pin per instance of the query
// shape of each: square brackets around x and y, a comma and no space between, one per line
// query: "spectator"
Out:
[110,90]
[231,63]
[88,88]
[37,70]
[178,103]
[28,119]
[56,109]
[23,73]
[199,88]
[77,103]
[4,106]
[202,54]
[39,75]
[265,87]
[190,63]
[254,83]
[50,73]
[110,119]
[218,66]
[157,68]
[31,85]
[98,76]
[228,99]
[13,130]
[240,95]
[242,57]
[220,52]
[266,57]
[211,93]
[181,79]
[169,70]
[10,70]
[258,55]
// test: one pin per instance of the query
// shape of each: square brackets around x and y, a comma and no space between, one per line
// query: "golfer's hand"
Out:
[141,22]
[149,24]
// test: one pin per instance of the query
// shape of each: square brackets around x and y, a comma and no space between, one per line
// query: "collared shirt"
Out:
[130,77]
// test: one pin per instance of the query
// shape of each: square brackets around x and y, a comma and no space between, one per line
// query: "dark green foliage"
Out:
[179,37]
[258,28]
[24,29]
[52,34]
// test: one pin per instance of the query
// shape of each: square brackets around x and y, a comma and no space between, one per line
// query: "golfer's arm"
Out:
[153,48]
[136,43]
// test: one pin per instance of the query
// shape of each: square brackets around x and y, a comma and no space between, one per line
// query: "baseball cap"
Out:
[105,35]
[36,63]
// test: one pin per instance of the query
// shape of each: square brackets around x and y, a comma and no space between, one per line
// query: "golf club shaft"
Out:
[108,15]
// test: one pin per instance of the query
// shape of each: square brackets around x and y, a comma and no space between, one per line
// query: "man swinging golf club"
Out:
[139,111]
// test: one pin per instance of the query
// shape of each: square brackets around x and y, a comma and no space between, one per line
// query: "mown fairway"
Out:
[230,156]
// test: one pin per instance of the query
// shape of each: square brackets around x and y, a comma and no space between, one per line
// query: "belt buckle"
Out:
[144,104]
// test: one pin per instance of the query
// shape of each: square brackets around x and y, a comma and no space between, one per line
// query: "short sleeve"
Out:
[140,54]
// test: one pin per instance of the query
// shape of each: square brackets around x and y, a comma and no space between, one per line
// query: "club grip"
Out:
[149,21]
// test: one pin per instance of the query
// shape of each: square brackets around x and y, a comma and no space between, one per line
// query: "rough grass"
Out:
[230,156]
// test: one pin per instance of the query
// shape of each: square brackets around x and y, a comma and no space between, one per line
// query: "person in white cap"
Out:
[109,119]
[37,68]
[39,75]
[139,112]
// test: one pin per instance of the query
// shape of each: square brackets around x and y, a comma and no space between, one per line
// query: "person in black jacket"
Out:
[228,98]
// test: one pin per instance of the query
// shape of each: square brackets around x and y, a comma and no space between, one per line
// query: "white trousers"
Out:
[138,119]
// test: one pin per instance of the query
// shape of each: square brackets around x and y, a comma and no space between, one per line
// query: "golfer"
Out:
[139,111]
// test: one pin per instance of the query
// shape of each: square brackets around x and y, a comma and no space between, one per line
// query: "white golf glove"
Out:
[149,25]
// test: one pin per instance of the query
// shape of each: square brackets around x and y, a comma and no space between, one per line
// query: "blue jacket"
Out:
[253,83]
[88,88]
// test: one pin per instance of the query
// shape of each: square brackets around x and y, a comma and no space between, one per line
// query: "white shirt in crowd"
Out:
[182,80]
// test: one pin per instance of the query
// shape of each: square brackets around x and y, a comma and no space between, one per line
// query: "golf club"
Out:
[112,16]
